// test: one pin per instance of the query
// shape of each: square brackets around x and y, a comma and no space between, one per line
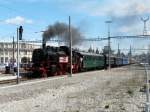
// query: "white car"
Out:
[2,67]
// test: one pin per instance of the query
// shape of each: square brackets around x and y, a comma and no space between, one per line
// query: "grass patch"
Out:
[130,92]
[106,106]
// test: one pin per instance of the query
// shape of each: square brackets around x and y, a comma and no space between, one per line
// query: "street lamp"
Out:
[109,53]
[70,36]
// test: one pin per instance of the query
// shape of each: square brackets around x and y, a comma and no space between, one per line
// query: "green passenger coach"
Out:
[91,61]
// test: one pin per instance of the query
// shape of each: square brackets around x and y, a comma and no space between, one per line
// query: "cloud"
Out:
[18,20]
[136,29]
[132,30]
[116,8]
[125,14]
[126,8]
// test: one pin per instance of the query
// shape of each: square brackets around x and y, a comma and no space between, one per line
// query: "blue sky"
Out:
[88,15]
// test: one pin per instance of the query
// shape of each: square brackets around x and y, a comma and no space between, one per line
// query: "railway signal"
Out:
[20,32]
[19,37]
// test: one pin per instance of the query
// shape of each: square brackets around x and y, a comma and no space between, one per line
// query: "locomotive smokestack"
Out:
[60,30]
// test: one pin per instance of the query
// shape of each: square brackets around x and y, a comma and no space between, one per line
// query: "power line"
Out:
[133,49]
[96,39]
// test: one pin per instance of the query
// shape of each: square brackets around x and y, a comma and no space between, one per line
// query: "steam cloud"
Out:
[60,30]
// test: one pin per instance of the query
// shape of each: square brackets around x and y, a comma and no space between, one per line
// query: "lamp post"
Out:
[18,56]
[109,53]
[70,36]
[13,52]
[147,88]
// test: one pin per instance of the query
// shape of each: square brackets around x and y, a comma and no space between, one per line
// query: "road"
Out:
[98,91]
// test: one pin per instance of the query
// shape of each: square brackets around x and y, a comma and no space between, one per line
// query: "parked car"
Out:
[2,67]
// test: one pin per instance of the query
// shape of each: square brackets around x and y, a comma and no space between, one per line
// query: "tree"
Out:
[90,49]
[118,53]
[97,51]
[122,54]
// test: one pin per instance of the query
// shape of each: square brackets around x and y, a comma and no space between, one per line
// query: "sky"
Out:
[87,15]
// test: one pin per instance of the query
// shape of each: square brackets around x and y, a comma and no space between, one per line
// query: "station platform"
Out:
[6,78]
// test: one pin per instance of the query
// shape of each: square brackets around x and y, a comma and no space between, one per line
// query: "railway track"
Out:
[14,80]
[9,81]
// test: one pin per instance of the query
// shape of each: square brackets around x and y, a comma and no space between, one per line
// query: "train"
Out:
[53,61]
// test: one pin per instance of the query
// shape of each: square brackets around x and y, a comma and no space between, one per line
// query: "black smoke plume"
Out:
[61,31]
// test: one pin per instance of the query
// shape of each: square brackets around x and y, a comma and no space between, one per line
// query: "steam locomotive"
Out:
[52,61]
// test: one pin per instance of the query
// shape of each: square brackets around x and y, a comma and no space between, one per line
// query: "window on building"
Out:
[6,45]
[6,52]
[1,52]
[2,60]
[15,46]
[23,45]
[1,45]
[10,53]
[9,45]
[6,59]
[25,52]
[31,46]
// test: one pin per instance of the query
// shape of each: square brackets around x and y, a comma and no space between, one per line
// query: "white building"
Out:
[6,51]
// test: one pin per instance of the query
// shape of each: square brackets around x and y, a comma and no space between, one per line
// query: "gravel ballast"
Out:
[98,91]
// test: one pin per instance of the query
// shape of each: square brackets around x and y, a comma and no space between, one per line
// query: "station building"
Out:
[8,50]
